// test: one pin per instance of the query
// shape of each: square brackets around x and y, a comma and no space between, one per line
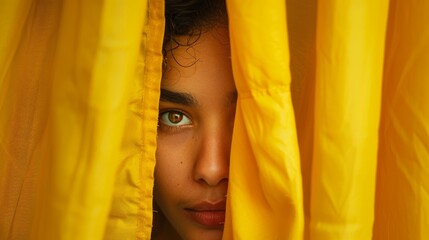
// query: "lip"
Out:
[211,215]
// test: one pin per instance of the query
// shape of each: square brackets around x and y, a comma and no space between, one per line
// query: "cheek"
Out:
[173,164]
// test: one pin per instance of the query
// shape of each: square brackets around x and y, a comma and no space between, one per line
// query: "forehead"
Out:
[186,51]
[202,68]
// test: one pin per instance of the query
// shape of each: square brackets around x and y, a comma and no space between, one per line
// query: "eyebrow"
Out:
[178,97]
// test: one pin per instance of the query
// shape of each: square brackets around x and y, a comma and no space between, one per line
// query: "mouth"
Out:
[211,215]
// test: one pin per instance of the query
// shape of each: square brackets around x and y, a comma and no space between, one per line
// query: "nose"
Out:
[212,163]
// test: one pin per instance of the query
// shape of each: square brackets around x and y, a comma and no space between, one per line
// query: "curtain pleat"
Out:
[402,196]
[28,35]
[349,56]
[79,116]
[265,189]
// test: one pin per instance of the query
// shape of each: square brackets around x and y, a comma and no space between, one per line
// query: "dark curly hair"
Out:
[191,18]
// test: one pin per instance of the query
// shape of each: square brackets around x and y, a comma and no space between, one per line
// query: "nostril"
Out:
[213,180]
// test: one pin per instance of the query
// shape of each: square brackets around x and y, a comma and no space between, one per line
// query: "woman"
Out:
[197,109]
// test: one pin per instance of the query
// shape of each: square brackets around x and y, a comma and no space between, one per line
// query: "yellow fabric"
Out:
[28,34]
[264,191]
[78,115]
[401,191]
[349,57]
[78,118]
[402,196]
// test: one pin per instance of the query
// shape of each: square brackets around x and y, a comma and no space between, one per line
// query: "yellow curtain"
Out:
[78,117]
[358,90]
[264,192]
[331,137]
[365,163]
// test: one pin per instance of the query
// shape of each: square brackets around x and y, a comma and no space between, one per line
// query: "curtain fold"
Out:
[79,118]
[402,196]
[265,191]
[28,33]
[349,57]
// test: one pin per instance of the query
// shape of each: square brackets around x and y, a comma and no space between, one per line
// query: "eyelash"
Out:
[162,125]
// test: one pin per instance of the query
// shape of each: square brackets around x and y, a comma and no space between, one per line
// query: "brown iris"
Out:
[175,117]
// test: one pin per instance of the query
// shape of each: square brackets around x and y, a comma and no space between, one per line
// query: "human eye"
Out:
[174,118]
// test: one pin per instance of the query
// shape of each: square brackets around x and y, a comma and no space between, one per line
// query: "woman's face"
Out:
[197,109]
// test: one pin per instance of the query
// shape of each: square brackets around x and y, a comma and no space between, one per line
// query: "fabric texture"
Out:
[79,109]
[264,169]
[331,135]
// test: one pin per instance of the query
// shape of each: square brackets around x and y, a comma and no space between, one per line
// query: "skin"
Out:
[194,135]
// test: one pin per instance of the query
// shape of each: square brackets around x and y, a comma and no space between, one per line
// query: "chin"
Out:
[203,234]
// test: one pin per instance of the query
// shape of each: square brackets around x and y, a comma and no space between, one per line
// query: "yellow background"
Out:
[331,137]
